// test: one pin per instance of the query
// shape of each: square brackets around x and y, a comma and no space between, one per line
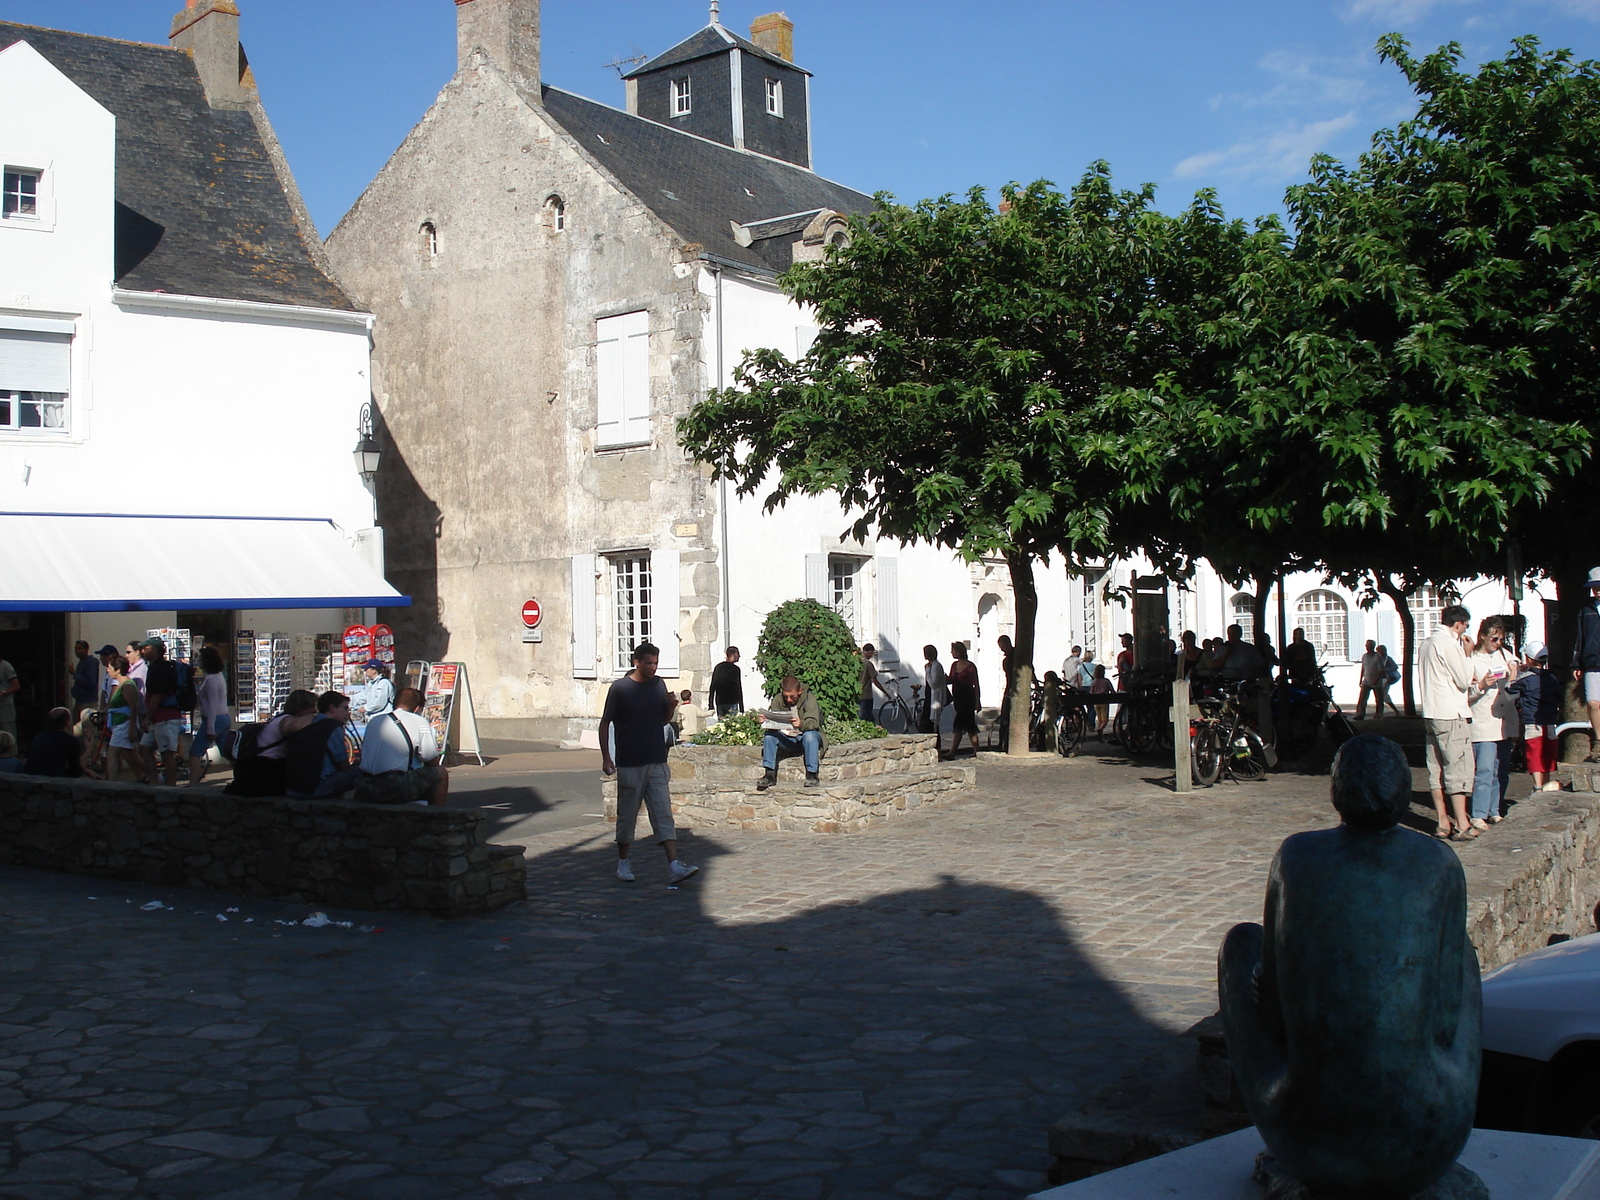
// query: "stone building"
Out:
[555,280]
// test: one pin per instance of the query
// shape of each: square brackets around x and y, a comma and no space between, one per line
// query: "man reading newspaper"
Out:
[793,724]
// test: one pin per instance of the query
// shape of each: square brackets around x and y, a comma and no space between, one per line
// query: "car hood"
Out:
[1535,1005]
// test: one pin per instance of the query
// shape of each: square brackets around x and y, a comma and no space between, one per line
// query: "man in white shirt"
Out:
[1072,667]
[400,755]
[1446,678]
[1372,664]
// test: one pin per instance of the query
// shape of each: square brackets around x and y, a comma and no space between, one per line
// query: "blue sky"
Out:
[916,97]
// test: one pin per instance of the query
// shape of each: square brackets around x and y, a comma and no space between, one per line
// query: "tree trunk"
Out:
[1019,683]
[1408,639]
[1259,608]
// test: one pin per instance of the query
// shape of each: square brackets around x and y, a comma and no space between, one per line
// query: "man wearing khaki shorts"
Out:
[1446,678]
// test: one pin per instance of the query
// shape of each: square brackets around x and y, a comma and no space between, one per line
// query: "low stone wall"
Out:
[714,787]
[333,852]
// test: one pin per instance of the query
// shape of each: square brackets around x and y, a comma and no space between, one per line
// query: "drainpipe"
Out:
[722,488]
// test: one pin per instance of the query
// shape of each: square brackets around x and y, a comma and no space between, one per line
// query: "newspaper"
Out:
[780,720]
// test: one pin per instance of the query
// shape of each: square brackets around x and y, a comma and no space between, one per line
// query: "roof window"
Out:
[681,103]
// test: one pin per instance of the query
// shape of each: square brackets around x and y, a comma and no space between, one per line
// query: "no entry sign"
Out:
[531,614]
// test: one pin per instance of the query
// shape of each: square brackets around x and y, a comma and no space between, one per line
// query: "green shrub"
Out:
[736,729]
[810,641]
[852,729]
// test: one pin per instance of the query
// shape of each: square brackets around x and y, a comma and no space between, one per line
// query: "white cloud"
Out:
[1306,80]
[1277,156]
[1395,12]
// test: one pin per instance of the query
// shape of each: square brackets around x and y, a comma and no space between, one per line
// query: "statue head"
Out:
[1371,782]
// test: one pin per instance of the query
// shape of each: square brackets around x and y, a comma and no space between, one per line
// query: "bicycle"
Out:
[1142,724]
[894,714]
[1220,740]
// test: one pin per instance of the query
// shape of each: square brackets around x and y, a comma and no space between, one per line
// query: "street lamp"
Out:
[366,452]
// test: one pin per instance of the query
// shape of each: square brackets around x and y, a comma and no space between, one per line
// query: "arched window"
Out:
[555,214]
[1243,608]
[1326,619]
[428,236]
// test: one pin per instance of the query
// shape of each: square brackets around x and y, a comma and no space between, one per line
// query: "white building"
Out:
[171,348]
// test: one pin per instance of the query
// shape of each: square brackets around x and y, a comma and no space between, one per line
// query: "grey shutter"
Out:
[888,610]
[665,611]
[584,648]
[1356,625]
[31,361]
[817,577]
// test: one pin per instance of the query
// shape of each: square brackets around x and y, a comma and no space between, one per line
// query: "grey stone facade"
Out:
[334,852]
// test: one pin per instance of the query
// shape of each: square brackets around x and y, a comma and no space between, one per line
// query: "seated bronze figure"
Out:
[1352,1013]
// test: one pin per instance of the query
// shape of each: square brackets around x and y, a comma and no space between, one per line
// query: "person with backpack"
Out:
[1390,677]
[212,691]
[1538,693]
[316,762]
[260,752]
[168,694]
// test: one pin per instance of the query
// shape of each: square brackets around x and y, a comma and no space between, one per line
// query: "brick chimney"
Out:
[505,30]
[208,32]
[774,33]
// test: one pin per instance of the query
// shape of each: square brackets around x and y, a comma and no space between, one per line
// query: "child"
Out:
[1538,694]
[1098,687]
[690,719]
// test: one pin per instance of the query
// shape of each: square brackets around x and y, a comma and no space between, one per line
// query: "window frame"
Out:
[11,171]
[1245,618]
[1316,622]
[849,601]
[46,367]
[430,239]
[555,209]
[680,96]
[775,98]
[632,582]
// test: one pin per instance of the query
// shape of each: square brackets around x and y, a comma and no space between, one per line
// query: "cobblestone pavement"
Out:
[900,1013]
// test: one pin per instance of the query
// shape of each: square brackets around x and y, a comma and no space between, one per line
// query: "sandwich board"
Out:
[447,706]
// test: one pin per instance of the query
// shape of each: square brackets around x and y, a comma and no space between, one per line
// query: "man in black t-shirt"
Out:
[55,752]
[727,685]
[638,708]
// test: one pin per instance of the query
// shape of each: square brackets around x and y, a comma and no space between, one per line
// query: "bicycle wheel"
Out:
[1205,750]
[1247,758]
[1119,726]
[1142,731]
[894,716]
[1069,731]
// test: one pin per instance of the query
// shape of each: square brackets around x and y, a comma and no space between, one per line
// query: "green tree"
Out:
[810,641]
[952,395]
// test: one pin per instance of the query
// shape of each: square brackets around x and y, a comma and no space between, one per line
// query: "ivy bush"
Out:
[744,729]
[810,641]
[853,729]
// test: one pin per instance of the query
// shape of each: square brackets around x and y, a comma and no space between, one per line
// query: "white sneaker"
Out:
[624,870]
[679,871]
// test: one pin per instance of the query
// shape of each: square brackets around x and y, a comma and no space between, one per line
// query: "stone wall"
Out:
[714,787]
[333,852]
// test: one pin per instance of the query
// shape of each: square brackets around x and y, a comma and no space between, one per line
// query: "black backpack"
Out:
[183,696]
[241,743]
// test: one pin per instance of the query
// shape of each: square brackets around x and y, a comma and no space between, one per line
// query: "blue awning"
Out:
[113,562]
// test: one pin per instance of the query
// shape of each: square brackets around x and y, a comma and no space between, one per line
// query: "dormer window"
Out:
[680,97]
[20,198]
[775,97]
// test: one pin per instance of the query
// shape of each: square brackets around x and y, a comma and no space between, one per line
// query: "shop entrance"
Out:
[35,644]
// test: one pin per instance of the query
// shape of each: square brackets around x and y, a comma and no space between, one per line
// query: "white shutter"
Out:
[666,620]
[584,649]
[622,380]
[888,570]
[636,378]
[1357,629]
[35,362]
[609,386]
[817,578]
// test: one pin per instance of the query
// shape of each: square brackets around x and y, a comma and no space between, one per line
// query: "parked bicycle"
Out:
[1061,730]
[1221,741]
[895,714]
[1143,724]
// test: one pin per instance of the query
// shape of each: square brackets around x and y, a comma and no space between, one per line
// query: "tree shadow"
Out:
[411,522]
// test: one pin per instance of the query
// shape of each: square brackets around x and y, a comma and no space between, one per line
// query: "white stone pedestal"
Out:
[1515,1166]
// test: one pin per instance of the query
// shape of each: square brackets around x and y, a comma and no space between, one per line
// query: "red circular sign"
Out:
[531,613]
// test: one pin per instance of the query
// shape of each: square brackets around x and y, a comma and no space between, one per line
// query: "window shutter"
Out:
[584,649]
[888,610]
[665,610]
[1357,626]
[608,383]
[636,378]
[817,578]
[35,362]
[622,380]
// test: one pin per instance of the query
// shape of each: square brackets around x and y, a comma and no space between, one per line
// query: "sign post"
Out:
[532,614]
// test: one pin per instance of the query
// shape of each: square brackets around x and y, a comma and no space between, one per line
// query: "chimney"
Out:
[774,33]
[208,32]
[505,30]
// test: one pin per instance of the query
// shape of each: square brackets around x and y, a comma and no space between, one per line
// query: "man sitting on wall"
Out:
[793,721]
[317,765]
[55,751]
[400,757]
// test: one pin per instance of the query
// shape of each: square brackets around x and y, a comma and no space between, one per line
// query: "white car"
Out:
[1541,1042]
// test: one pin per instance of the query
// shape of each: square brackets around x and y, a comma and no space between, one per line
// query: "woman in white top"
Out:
[1496,724]
[212,694]
[935,695]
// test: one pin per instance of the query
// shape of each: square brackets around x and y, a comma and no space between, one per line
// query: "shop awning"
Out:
[77,562]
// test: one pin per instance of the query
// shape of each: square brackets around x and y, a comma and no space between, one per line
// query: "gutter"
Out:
[291,314]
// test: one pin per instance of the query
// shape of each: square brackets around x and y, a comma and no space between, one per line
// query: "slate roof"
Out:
[200,210]
[699,186]
[713,39]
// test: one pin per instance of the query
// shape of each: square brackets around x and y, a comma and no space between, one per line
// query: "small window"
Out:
[21,194]
[844,592]
[35,379]
[555,214]
[630,591]
[428,237]
[1426,604]
[1243,608]
[680,97]
[775,97]
[33,410]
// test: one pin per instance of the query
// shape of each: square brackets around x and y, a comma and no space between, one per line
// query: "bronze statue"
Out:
[1352,1017]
